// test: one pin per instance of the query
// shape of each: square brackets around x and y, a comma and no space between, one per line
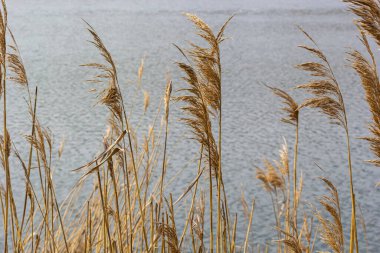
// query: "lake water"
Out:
[262,49]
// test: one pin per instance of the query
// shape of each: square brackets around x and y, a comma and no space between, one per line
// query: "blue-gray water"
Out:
[262,49]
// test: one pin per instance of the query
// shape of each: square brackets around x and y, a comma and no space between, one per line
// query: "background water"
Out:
[262,49]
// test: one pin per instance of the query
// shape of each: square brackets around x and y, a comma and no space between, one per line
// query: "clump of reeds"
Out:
[128,209]
[203,102]
[277,181]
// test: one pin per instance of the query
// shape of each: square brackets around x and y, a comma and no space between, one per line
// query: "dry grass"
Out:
[128,210]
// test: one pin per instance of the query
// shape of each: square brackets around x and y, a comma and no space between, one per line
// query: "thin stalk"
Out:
[226,207]
[249,227]
[136,179]
[295,201]
[114,183]
[192,232]
[88,230]
[29,160]
[52,213]
[353,232]
[275,212]
[151,227]
[42,213]
[211,197]
[104,209]
[163,235]
[219,146]
[233,244]
[127,199]
[32,221]
[126,188]
[58,211]
[218,236]
[287,217]
[5,151]
[164,161]
[53,198]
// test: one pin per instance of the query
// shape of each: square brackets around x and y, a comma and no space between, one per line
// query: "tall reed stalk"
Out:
[329,100]
[3,29]
[167,103]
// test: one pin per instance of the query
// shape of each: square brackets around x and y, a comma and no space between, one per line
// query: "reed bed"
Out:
[128,209]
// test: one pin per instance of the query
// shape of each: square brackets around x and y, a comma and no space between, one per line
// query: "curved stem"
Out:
[5,154]
[218,236]
[353,232]
[164,159]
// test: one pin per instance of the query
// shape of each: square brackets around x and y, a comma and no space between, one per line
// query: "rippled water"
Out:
[262,49]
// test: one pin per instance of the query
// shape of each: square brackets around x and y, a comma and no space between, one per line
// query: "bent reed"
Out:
[128,209]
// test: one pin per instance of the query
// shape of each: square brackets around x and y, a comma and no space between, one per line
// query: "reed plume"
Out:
[368,16]
[16,66]
[197,99]
[146,100]
[290,106]
[327,95]
[367,71]
[331,229]
[291,242]
[273,178]
[368,22]
[109,96]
